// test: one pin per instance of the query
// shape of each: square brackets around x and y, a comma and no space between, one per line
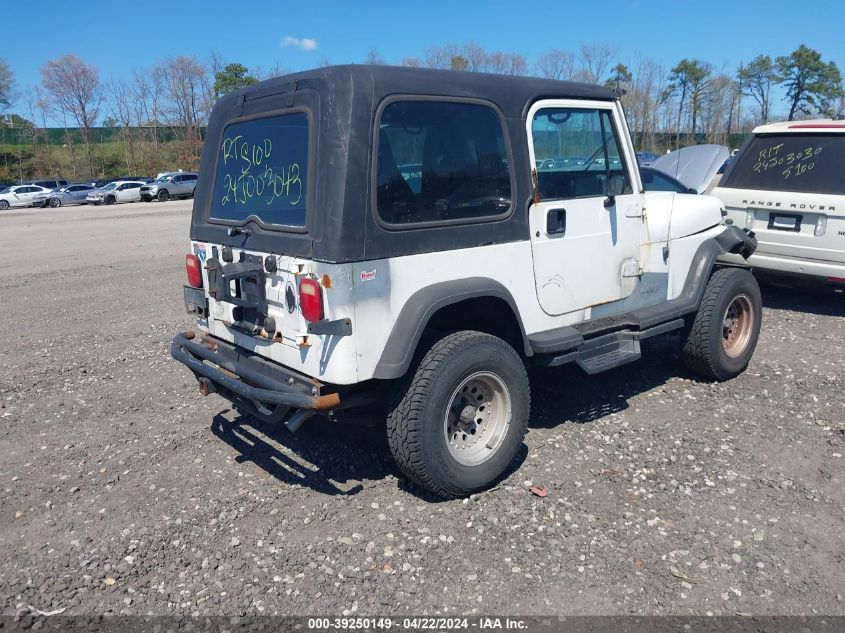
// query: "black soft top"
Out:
[342,102]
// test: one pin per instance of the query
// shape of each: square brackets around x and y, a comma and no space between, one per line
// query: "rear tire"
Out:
[458,417]
[721,340]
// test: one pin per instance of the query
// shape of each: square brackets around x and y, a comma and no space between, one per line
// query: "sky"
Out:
[300,35]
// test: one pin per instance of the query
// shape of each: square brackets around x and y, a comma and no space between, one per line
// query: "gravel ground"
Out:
[124,491]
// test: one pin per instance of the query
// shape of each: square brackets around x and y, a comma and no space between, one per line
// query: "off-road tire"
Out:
[416,421]
[163,195]
[704,340]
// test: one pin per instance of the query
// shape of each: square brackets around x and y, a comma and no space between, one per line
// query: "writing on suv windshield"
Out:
[262,171]
[804,163]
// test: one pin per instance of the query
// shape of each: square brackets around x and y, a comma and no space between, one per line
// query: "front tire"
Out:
[722,338]
[55,203]
[163,196]
[458,418]
[4,204]
[109,200]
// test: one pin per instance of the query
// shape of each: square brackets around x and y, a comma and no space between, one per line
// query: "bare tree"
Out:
[75,89]
[717,108]
[122,111]
[506,63]
[185,84]
[441,56]
[594,60]
[276,70]
[470,57]
[374,58]
[556,64]
[147,97]
[40,160]
[7,86]
[478,59]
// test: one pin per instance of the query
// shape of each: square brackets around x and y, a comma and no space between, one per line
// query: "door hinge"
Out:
[635,211]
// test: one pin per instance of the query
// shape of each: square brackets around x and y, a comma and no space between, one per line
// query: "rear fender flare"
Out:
[422,305]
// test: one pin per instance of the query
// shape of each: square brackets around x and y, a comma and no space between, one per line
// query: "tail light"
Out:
[192,267]
[310,300]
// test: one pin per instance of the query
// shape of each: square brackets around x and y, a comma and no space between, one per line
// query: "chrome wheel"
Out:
[737,325]
[477,418]
[55,202]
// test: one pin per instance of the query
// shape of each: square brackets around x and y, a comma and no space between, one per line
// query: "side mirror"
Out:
[615,186]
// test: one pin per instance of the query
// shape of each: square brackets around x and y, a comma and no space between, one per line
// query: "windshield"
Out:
[805,163]
[4,190]
[164,179]
[109,186]
[262,171]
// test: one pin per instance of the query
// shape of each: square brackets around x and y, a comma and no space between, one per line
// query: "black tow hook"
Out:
[295,422]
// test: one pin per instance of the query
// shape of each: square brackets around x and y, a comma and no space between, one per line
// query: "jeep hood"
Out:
[693,166]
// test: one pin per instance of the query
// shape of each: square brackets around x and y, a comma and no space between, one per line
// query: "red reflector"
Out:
[836,280]
[192,266]
[310,300]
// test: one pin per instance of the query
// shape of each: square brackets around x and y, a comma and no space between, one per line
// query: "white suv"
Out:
[117,191]
[787,185]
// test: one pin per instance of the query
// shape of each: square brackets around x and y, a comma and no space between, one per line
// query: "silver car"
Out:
[69,194]
[177,184]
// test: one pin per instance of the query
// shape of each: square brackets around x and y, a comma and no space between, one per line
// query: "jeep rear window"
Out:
[441,161]
[262,171]
[804,163]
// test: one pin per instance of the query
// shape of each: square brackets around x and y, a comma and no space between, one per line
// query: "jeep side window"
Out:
[440,161]
[577,151]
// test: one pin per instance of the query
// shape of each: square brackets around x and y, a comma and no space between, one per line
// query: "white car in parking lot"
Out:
[20,195]
[117,191]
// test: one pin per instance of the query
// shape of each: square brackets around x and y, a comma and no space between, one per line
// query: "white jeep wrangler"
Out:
[359,230]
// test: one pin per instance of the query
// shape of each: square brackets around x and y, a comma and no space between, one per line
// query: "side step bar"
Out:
[610,350]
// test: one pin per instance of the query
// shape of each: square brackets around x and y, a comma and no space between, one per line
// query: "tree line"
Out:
[667,106]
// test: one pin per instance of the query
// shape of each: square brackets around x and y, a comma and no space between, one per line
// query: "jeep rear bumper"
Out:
[261,386]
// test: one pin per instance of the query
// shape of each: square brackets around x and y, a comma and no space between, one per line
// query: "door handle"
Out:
[556,222]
